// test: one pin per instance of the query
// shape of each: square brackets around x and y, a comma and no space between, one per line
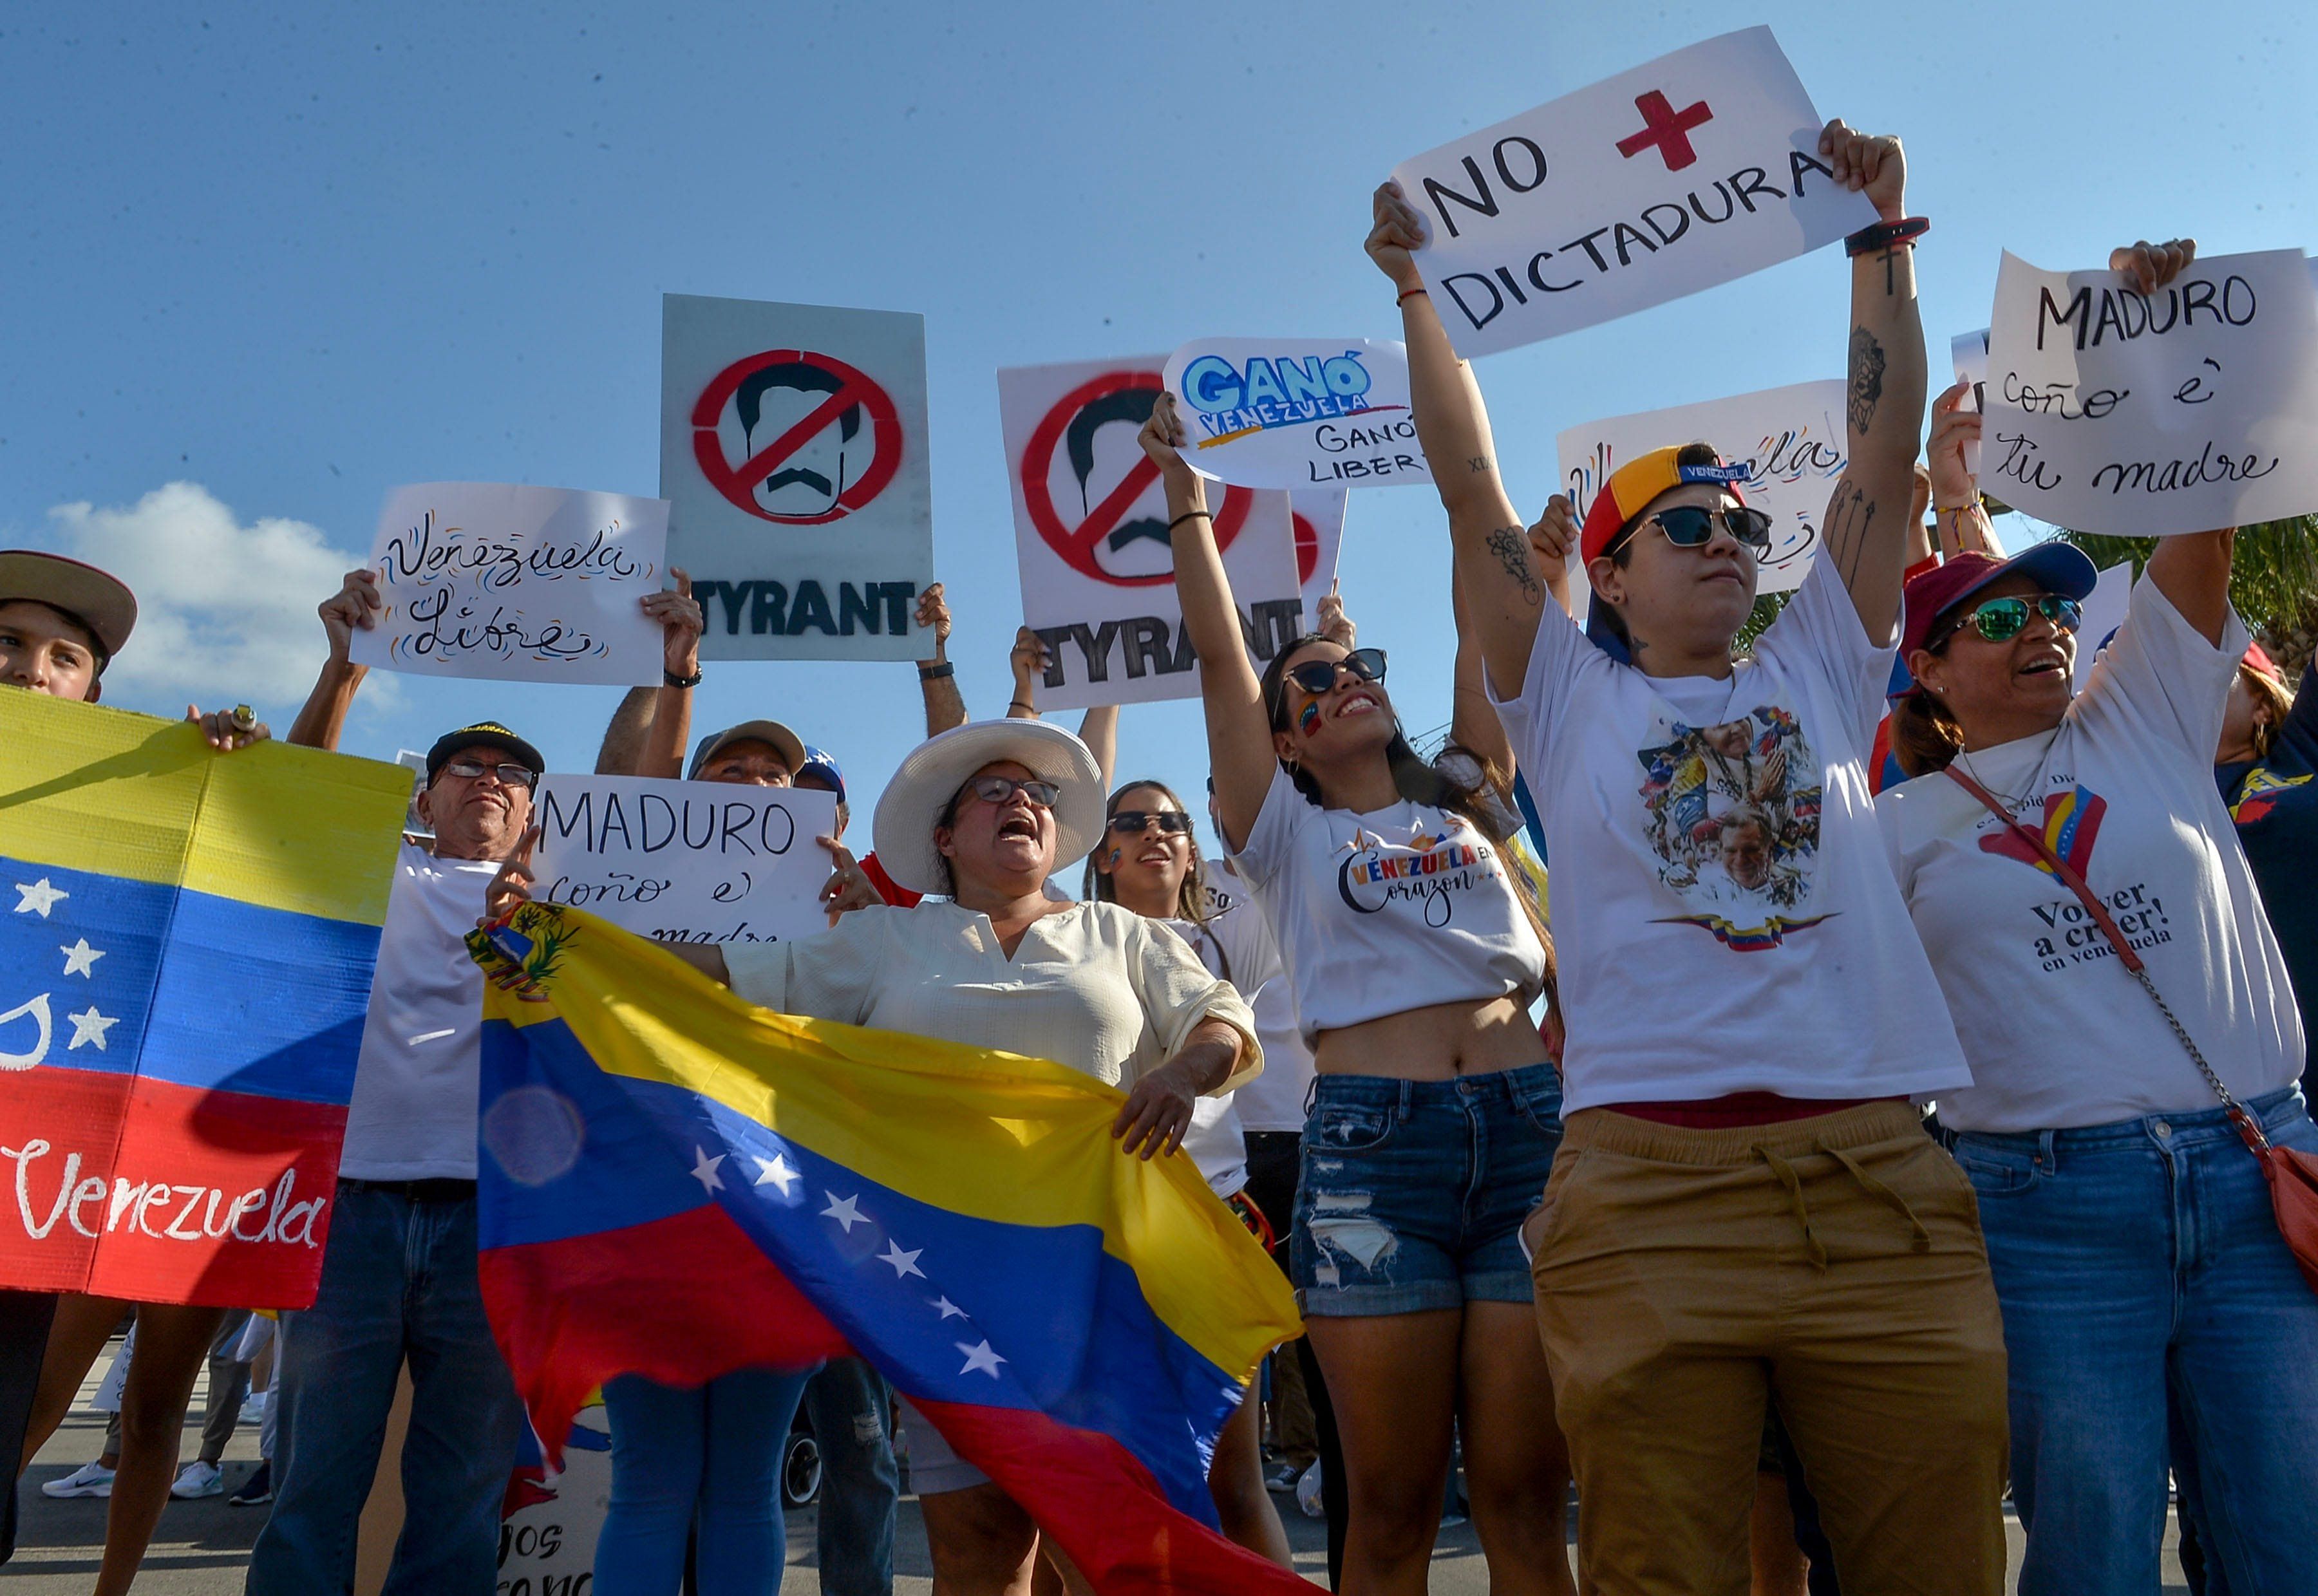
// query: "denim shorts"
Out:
[1413,1192]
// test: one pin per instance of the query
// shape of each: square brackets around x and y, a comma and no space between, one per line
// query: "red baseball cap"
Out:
[1632,486]
[2057,567]
[2256,660]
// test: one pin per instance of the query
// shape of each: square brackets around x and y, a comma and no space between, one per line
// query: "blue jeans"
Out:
[2133,1261]
[851,1412]
[711,1452]
[398,1282]
[1414,1191]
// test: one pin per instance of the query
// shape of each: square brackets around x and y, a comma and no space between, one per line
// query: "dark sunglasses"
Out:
[1131,822]
[1692,526]
[1315,677]
[2001,620]
[998,789]
[510,775]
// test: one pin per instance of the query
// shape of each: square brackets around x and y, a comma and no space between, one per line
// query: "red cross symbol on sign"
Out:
[1666,127]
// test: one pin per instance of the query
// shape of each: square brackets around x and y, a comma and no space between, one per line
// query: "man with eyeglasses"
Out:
[399,1272]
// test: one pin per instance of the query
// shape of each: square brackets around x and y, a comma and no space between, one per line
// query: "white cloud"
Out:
[225,611]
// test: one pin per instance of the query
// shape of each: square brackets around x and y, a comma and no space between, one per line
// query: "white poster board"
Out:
[1792,440]
[1319,523]
[516,583]
[793,453]
[1298,413]
[549,1522]
[1702,166]
[685,861]
[2104,611]
[1969,354]
[2190,408]
[1091,536]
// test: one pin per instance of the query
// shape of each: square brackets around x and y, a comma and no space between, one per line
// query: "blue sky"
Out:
[292,257]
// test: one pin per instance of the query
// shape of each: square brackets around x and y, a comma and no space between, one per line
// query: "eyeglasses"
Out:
[1132,823]
[998,789]
[1692,526]
[2001,620]
[510,775]
[1315,677]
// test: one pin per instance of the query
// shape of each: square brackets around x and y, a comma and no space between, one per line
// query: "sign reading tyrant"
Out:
[792,453]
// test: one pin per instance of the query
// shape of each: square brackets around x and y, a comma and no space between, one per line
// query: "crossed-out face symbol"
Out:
[796,436]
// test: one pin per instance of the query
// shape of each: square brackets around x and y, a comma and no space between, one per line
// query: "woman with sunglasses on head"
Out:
[1148,862]
[985,813]
[1746,1211]
[2132,1235]
[1412,961]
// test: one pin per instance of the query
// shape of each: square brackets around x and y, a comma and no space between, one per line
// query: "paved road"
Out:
[202,1547]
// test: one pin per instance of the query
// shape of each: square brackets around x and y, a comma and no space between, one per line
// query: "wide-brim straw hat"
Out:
[904,826]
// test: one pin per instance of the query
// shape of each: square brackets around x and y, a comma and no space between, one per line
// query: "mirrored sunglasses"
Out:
[2001,620]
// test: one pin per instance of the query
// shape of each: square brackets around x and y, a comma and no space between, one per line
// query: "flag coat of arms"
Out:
[186,943]
[677,1184]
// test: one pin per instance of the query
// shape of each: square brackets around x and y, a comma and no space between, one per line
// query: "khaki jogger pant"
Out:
[1833,1264]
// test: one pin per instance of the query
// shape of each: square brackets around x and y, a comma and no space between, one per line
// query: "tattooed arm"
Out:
[1867,525]
[1497,579]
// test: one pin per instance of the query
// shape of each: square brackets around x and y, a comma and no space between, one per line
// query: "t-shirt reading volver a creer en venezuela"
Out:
[2057,1032]
[1722,910]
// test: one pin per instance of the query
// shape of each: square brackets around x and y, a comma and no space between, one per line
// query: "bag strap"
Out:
[2249,1130]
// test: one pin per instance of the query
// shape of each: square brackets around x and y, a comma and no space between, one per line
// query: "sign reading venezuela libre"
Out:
[186,941]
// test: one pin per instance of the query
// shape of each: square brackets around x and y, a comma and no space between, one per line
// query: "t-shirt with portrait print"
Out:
[1380,912]
[1723,912]
[2059,1033]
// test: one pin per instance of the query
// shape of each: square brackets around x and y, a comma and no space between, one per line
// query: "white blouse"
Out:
[1095,987]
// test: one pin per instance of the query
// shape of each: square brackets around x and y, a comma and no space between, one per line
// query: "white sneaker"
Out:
[197,1478]
[253,1409]
[90,1479]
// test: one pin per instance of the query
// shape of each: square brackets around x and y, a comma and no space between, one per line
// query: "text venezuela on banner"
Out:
[186,941]
[677,1184]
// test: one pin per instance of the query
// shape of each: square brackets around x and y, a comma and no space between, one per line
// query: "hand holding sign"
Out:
[2165,395]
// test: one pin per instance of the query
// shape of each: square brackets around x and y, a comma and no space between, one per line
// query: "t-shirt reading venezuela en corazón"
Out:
[1722,910]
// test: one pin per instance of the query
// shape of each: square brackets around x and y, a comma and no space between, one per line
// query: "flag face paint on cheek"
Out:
[1310,718]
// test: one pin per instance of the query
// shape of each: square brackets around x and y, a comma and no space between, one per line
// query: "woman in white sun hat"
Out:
[982,815]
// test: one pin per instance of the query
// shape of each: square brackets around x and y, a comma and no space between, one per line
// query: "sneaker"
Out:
[1281,1478]
[256,1491]
[253,1409]
[90,1479]
[197,1478]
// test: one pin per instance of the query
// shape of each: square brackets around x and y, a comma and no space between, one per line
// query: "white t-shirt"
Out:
[419,1075]
[1275,1099]
[1216,1141]
[2057,1032]
[1724,915]
[1380,913]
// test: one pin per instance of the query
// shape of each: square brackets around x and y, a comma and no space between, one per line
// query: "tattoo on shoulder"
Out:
[1510,544]
[1866,378]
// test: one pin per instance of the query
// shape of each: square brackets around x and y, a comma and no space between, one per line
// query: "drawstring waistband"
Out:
[1920,1239]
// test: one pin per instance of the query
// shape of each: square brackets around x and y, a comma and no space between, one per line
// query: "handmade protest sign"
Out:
[685,861]
[1317,519]
[793,454]
[2190,408]
[1791,440]
[186,943]
[516,583]
[1702,166]
[1969,353]
[1091,535]
[1298,413]
[2105,610]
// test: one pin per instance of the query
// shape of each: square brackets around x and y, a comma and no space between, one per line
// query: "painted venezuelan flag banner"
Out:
[186,941]
[677,1184]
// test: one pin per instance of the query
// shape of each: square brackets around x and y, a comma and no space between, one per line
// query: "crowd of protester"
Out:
[1630,1190]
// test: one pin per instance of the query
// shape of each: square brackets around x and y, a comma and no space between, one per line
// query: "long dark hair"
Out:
[1191,897]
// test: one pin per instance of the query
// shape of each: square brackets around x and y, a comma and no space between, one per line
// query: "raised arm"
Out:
[1503,589]
[323,719]
[1473,723]
[937,677]
[1240,749]
[661,750]
[1962,520]
[1098,729]
[1866,523]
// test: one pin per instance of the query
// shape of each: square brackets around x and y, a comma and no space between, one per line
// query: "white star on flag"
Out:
[704,1169]
[38,898]
[905,1264]
[845,1211]
[776,1173]
[79,956]
[90,1028]
[980,1356]
[949,1309]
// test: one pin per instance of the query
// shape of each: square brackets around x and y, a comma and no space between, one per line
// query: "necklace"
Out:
[2016,803]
